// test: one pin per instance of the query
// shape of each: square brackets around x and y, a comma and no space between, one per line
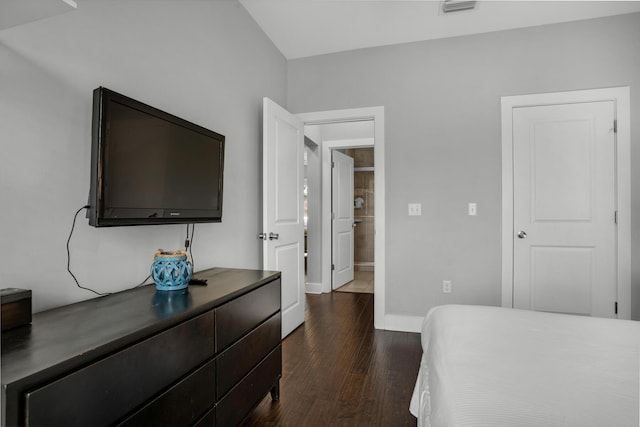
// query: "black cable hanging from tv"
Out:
[75,279]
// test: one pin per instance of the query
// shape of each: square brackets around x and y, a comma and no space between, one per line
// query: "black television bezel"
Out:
[95,212]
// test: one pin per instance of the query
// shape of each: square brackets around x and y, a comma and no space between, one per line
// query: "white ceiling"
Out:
[301,28]
[18,12]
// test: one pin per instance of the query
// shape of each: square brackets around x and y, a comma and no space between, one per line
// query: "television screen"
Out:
[151,167]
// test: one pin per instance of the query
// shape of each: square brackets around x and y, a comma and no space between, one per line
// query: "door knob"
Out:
[262,236]
[522,234]
[273,236]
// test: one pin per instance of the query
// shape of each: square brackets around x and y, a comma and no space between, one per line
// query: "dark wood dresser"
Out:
[143,357]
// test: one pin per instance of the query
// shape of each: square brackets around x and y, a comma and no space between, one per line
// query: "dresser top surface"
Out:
[75,334]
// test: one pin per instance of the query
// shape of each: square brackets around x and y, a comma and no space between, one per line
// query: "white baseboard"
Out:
[394,322]
[313,288]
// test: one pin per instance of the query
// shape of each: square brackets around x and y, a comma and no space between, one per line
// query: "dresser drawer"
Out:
[247,393]
[182,404]
[239,316]
[107,390]
[208,419]
[236,361]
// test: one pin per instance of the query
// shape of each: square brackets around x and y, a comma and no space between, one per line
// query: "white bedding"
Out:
[491,366]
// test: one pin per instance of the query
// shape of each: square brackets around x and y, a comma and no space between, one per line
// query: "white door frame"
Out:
[621,98]
[350,115]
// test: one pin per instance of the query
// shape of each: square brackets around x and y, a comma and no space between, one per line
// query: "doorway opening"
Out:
[319,228]
[363,221]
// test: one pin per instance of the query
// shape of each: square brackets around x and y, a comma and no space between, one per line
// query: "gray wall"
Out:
[207,62]
[443,142]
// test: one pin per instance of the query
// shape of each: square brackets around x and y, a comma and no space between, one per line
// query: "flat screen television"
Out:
[151,167]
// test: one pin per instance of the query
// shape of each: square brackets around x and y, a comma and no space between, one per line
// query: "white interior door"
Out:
[564,237]
[282,208]
[342,224]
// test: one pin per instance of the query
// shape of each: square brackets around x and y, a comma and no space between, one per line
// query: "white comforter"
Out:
[491,366]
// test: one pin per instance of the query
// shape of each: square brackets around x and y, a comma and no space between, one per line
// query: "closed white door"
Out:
[564,236]
[282,208]
[342,224]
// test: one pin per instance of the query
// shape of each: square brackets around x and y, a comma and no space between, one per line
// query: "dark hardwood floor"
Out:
[337,370]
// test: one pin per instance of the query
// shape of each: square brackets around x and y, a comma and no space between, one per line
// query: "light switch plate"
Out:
[473,209]
[415,209]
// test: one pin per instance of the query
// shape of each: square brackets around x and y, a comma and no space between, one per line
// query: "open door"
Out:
[282,208]
[342,213]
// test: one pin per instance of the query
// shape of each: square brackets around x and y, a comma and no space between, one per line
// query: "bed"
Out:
[492,366]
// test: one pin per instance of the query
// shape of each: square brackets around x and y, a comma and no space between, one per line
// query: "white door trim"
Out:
[340,116]
[621,98]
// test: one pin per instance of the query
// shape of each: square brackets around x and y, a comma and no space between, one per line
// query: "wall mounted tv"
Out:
[151,167]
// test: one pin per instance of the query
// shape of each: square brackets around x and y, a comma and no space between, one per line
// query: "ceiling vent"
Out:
[456,5]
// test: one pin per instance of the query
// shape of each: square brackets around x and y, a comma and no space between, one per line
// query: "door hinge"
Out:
[333,164]
[615,217]
[615,309]
[615,126]
[333,267]
[333,215]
